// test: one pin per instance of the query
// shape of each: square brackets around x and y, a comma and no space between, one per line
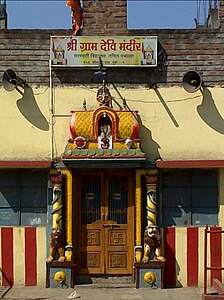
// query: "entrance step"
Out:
[106,281]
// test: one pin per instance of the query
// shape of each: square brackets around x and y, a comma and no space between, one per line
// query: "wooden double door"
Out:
[104,222]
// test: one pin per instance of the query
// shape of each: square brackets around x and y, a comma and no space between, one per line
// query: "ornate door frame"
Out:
[105,241]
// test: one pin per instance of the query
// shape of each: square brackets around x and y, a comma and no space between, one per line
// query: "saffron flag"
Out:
[76,14]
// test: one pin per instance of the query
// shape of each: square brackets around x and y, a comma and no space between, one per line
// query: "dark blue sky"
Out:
[141,14]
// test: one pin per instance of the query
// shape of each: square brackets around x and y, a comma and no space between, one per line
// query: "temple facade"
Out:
[111,156]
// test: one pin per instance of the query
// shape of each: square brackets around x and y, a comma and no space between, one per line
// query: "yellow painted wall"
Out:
[24,123]
[175,124]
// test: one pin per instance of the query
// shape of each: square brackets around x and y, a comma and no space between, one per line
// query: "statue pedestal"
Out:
[149,275]
[68,267]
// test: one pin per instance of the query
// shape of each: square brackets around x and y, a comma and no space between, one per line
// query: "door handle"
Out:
[110,226]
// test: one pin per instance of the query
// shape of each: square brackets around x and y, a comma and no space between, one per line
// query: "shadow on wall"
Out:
[209,113]
[28,107]
[166,108]
[9,283]
[148,145]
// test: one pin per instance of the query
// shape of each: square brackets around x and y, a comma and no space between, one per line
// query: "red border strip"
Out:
[30,257]
[25,164]
[189,163]
[169,254]
[216,253]
[7,256]
[192,256]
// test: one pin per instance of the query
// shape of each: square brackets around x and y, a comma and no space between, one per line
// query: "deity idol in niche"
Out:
[105,138]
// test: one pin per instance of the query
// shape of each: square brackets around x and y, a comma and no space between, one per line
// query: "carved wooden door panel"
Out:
[89,224]
[119,224]
[104,223]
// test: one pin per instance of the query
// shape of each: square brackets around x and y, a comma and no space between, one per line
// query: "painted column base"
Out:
[149,275]
[60,274]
